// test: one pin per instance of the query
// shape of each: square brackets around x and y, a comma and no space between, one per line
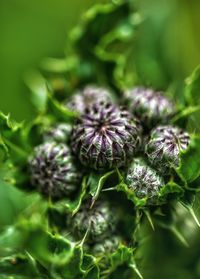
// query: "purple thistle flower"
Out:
[52,170]
[165,145]
[149,106]
[86,97]
[106,137]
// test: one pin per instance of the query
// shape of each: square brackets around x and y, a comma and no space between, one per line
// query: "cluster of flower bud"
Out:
[138,138]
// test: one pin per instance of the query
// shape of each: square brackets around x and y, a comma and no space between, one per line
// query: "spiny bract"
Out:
[52,170]
[106,137]
[149,106]
[165,145]
[100,221]
[144,181]
[58,133]
[89,95]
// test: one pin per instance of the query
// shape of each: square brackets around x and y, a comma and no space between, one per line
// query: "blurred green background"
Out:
[168,43]
[167,49]
[29,30]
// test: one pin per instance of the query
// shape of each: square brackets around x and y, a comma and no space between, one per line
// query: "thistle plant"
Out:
[107,245]
[59,133]
[87,96]
[102,176]
[100,221]
[106,137]
[151,107]
[165,146]
[144,181]
[52,170]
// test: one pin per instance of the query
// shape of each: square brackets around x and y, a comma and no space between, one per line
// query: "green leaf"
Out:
[171,189]
[192,87]
[54,252]
[188,202]
[59,111]
[81,196]
[11,139]
[122,256]
[6,123]
[38,87]
[19,265]
[122,187]
[88,262]
[185,113]
[54,65]
[189,168]
[96,183]
[4,153]
[93,273]
[112,27]
[70,206]
[179,236]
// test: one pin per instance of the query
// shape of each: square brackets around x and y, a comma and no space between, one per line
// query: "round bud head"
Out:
[106,137]
[149,106]
[144,181]
[165,145]
[52,170]
[107,246]
[60,133]
[99,220]
[88,96]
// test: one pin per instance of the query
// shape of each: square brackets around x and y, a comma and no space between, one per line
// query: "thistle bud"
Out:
[165,145]
[99,220]
[106,137]
[60,133]
[144,181]
[89,95]
[52,170]
[107,246]
[149,106]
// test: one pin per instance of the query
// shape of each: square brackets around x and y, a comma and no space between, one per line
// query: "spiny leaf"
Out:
[188,203]
[96,183]
[135,268]
[179,236]
[149,218]
[171,188]
[185,113]
[81,196]
[11,139]
[60,112]
[192,87]
[189,168]
[19,265]
[191,210]
[131,195]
